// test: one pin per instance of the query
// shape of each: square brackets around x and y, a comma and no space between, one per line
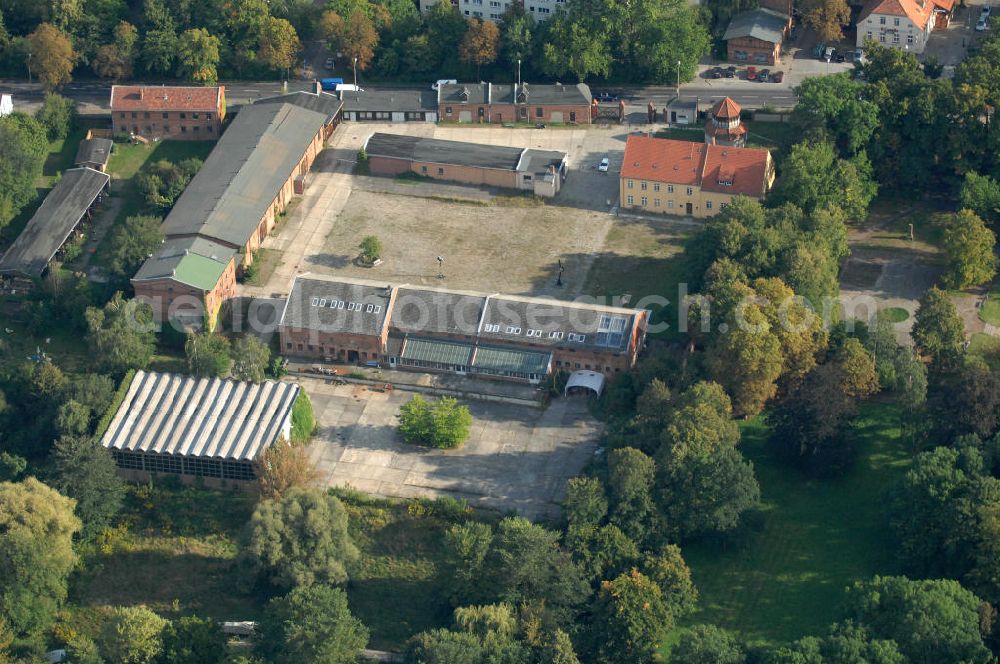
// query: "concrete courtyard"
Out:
[517,457]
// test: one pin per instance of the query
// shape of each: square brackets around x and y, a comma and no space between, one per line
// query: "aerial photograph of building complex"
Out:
[521,332]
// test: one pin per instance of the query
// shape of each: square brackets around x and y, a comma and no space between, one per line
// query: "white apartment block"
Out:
[492,10]
[903,24]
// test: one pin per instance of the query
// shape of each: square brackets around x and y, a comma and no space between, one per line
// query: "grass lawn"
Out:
[66,346]
[987,347]
[817,538]
[990,311]
[895,314]
[126,161]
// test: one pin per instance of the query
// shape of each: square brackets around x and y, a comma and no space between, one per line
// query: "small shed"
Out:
[94,153]
[585,380]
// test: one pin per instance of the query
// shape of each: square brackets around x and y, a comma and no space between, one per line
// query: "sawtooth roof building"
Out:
[64,207]
[468,333]
[211,428]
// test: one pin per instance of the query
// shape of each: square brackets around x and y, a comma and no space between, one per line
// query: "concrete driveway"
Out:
[517,458]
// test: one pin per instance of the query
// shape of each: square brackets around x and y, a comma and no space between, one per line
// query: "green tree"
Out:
[814,177]
[131,243]
[847,643]
[708,644]
[23,147]
[445,29]
[72,419]
[747,361]
[981,194]
[117,59]
[443,424]
[132,635]
[52,55]
[121,334]
[283,466]
[630,619]
[586,503]
[630,481]
[207,355]
[931,620]
[279,44]
[968,248]
[57,115]
[198,56]
[83,470]
[517,30]
[37,525]
[251,358]
[667,568]
[159,51]
[371,248]
[286,543]
[835,106]
[480,44]
[857,370]
[706,495]
[574,47]
[699,422]
[311,624]
[937,327]
[358,39]
[193,639]
[442,646]
[668,32]
[303,419]
[602,551]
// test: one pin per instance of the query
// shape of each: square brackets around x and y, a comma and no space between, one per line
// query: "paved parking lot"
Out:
[517,457]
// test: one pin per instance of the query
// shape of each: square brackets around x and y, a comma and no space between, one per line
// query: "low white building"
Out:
[903,24]
[492,10]
[6,105]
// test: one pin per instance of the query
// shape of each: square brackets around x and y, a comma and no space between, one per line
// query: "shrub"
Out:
[303,419]
[371,249]
[443,424]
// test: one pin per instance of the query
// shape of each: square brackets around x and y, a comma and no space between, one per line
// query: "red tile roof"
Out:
[689,163]
[726,109]
[917,11]
[165,98]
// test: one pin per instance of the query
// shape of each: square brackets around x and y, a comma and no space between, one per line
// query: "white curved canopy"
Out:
[590,380]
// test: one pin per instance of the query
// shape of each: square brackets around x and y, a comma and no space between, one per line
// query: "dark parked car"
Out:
[729,72]
[763,75]
[714,72]
[840,57]
[778,76]
[608,95]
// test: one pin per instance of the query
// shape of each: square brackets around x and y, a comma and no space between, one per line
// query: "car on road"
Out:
[714,72]
[607,95]
[764,75]
[751,73]
[981,23]
[603,166]
[729,72]
[329,64]
[778,76]
[985,11]
[858,55]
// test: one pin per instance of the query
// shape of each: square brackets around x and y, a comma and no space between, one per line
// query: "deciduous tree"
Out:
[121,334]
[23,147]
[37,526]
[443,423]
[814,177]
[826,18]
[83,469]
[207,355]
[311,624]
[132,635]
[937,327]
[193,639]
[283,466]
[358,39]
[630,619]
[575,47]
[52,55]
[981,194]
[586,504]
[290,548]
[480,44]
[835,105]
[630,481]
[251,358]
[132,242]
[969,251]
[747,361]
[279,44]
[57,115]
[198,56]
[708,644]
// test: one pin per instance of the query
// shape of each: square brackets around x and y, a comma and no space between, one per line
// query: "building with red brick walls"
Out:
[538,171]
[174,112]
[489,335]
[489,103]
[187,281]
[756,37]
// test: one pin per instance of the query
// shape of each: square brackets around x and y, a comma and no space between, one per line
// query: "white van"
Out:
[348,87]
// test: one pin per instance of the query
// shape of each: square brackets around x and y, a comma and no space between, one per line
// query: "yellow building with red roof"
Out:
[693,179]
[903,24]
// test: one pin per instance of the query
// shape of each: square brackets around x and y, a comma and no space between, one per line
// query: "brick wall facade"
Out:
[170,298]
[500,113]
[177,125]
[753,51]
[388,166]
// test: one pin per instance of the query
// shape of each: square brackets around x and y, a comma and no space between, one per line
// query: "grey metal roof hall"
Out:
[400,101]
[432,311]
[53,222]
[200,417]
[253,159]
[94,151]
[321,102]
[555,93]
[438,151]
[764,24]
[337,305]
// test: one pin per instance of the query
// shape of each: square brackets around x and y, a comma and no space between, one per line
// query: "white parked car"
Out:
[444,81]
[603,166]
[981,24]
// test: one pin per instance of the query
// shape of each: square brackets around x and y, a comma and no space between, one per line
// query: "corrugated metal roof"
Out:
[337,305]
[256,155]
[54,220]
[438,352]
[511,360]
[439,151]
[94,151]
[200,417]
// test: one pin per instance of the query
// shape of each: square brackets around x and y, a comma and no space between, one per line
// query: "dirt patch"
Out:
[860,274]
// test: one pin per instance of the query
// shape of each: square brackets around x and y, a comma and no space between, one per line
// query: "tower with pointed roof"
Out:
[725,126]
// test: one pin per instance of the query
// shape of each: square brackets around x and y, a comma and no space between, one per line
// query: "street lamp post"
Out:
[519,73]
[29,67]
[355,73]
[678,79]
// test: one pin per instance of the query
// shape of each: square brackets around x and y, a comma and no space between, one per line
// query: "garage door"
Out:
[557,116]
[465,116]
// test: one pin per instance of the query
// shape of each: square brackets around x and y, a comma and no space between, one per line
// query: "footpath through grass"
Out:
[816,538]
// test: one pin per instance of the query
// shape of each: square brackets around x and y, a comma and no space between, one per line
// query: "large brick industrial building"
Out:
[490,335]
[538,171]
[234,200]
[175,112]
